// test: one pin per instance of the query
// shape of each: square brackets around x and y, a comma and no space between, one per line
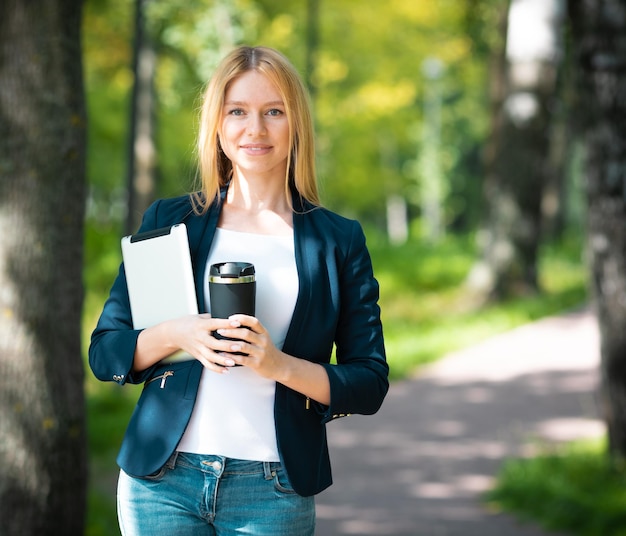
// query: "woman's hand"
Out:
[253,340]
[192,334]
[261,355]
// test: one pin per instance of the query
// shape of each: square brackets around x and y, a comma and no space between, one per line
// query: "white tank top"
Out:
[234,413]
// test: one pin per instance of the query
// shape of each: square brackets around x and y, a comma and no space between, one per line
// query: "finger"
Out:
[212,324]
[218,362]
[243,334]
[250,322]
[218,342]
[231,333]
[212,366]
[226,360]
[238,347]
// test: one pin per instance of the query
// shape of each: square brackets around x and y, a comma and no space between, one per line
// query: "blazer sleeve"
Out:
[359,381]
[113,341]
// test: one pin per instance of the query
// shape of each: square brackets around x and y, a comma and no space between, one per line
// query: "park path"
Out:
[419,466]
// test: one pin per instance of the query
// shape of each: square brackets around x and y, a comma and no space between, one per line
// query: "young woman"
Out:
[234,441]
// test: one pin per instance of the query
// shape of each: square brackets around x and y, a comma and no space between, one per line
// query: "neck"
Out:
[256,209]
[255,196]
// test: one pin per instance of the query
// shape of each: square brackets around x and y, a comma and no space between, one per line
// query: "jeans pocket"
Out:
[158,475]
[155,476]
[281,482]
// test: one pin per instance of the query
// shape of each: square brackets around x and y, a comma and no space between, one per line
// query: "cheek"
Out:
[283,134]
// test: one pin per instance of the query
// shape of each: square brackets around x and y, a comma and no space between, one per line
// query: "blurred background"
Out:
[460,169]
[444,126]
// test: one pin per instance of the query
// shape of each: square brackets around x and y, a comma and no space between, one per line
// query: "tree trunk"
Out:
[598,36]
[431,180]
[312,44]
[43,469]
[141,182]
[517,160]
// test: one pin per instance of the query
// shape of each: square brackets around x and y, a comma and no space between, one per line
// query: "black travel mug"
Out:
[232,289]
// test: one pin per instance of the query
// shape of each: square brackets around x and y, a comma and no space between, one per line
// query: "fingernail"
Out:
[229,362]
[235,348]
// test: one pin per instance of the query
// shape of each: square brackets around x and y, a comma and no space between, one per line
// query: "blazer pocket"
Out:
[174,379]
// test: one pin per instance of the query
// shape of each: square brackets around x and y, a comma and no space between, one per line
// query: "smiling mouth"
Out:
[256,147]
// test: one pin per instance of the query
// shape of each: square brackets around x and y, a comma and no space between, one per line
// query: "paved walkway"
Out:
[418,467]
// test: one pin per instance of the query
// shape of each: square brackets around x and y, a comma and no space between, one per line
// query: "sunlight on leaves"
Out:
[378,98]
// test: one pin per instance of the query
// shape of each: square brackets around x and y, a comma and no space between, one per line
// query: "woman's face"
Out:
[254,132]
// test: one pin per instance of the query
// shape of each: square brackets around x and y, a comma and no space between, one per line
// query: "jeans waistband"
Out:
[222,465]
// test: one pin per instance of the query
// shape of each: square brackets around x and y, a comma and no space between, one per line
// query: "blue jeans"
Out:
[195,494]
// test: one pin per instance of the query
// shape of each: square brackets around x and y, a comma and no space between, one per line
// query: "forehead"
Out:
[252,86]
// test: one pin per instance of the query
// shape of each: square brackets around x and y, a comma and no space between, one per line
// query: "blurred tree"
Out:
[141,165]
[524,76]
[370,105]
[188,38]
[432,182]
[312,42]
[598,30]
[43,471]
[107,48]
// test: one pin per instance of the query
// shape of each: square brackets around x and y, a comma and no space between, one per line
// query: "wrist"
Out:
[285,369]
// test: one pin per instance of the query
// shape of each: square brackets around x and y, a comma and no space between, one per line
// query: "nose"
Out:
[256,125]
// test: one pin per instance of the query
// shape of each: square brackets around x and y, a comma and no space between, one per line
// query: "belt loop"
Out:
[267,470]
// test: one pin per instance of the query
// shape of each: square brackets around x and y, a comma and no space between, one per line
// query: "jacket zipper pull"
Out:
[166,375]
[307,403]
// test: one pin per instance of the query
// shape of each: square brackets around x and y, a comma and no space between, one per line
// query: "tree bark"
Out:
[42,195]
[599,44]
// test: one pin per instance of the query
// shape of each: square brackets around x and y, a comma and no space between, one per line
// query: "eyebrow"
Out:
[242,103]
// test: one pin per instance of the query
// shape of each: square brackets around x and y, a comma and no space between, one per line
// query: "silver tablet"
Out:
[159,276]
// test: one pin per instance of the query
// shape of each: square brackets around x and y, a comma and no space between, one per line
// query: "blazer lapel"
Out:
[304,247]
[201,230]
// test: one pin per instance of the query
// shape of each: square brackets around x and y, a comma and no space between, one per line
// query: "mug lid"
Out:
[232,269]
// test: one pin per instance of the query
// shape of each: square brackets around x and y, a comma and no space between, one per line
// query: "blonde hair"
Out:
[214,167]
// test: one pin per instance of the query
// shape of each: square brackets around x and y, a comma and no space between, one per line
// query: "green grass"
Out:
[426,307]
[572,488]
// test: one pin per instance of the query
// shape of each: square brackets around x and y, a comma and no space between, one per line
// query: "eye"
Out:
[236,112]
[275,112]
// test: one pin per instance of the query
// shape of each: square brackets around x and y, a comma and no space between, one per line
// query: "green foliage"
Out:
[370,102]
[102,261]
[107,30]
[106,161]
[573,488]
[369,91]
[428,310]
[197,33]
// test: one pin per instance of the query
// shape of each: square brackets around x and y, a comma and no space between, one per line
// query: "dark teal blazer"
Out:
[337,304]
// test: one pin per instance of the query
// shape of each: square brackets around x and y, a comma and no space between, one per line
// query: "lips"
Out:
[256,147]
